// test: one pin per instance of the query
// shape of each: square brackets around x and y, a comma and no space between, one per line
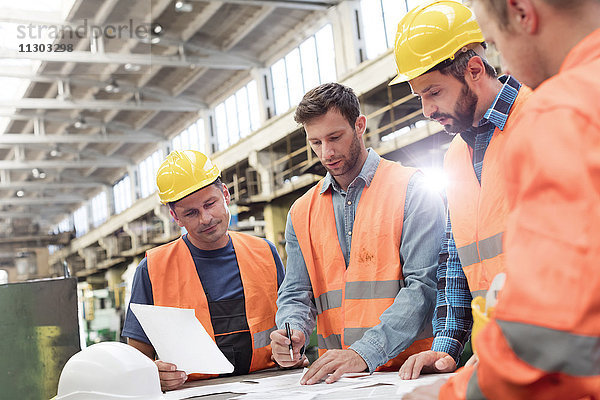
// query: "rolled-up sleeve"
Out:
[409,317]
[295,301]
[452,319]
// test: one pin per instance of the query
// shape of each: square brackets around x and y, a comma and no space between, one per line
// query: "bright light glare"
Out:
[435,179]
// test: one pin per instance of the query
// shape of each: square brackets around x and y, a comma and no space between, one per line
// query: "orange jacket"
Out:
[477,211]
[175,283]
[544,342]
[350,301]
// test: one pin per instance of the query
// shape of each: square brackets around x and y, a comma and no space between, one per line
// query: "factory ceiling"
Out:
[115,79]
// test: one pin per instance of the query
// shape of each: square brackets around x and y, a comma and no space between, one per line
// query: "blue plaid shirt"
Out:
[452,320]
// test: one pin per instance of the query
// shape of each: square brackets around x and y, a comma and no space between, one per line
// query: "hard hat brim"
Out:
[200,185]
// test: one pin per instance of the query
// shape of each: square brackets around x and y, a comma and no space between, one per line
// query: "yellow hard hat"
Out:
[182,173]
[431,33]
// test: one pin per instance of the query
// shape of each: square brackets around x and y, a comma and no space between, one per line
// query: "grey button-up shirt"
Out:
[411,313]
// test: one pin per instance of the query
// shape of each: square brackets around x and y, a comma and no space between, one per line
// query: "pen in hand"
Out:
[288,332]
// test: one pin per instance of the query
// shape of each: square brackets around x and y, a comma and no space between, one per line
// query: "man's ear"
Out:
[360,125]
[226,194]
[175,217]
[523,15]
[475,69]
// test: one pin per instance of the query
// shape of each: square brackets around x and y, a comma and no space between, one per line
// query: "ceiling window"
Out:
[15,36]
[99,209]
[380,21]
[303,68]
[237,116]
[66,225]
[147,170]
[191,138]
[80,221]
[122,194]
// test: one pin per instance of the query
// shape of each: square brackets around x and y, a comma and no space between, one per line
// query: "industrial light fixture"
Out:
[155,31]
[20,193]
[55,152]
[80,122]
[38,173]
[112,86]
[156,28]
[132,67]
[183,6]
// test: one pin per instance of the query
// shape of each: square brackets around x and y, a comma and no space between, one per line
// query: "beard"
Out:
[348,161]
[464,112]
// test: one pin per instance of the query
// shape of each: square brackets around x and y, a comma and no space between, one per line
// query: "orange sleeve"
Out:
[456,387]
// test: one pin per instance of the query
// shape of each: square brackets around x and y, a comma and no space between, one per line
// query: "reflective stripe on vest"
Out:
[175,283]
[552,350]
[351,335]
[373,289]
[478,212]
[359,290]
[473,390]
[333,341]
[263,338]
[350,300]
[482,250]
[329,300]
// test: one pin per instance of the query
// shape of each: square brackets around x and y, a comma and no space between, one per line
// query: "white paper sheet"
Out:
[289,387]
[179,338]
[407,386]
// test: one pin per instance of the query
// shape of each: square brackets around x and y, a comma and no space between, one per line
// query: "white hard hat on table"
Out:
[109,370]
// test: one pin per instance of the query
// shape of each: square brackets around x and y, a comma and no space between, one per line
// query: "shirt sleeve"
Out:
[452,319]
[141,293]
[278,263]
[295,300]
[409,317]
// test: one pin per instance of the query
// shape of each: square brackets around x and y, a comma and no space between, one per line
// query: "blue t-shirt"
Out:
[218,271]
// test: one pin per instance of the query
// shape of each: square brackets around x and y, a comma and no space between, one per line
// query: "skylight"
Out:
[15,18]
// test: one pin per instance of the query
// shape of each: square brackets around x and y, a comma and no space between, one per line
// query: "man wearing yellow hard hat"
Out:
[439,51]
[230,279]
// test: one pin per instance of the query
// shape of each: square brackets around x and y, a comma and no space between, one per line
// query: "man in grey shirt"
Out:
[362,250]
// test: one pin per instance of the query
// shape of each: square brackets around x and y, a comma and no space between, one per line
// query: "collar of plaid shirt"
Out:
[497,114]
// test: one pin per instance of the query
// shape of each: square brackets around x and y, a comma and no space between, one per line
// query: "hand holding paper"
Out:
[179,338]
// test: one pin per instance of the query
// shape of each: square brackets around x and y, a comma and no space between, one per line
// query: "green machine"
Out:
[39,332]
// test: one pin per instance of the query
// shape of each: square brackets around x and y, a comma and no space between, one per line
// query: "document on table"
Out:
[179,338]
[380,385]
[407,386]
[288,386]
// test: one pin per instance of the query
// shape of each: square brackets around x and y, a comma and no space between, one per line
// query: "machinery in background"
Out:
[40,332]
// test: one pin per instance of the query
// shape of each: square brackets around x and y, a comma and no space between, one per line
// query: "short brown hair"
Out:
[498,8]
[458,66]
[318,101]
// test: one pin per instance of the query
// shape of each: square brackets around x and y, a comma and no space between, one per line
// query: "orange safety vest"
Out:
[175,283]
[544,340]
[478,212]
[350,300]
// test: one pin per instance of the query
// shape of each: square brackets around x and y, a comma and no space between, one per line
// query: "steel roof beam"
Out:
[92,122]
[123,86]
[23,138]
[30,185]
[118,58]
[48,164]
[57,104]
[298,4]
[42,200]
